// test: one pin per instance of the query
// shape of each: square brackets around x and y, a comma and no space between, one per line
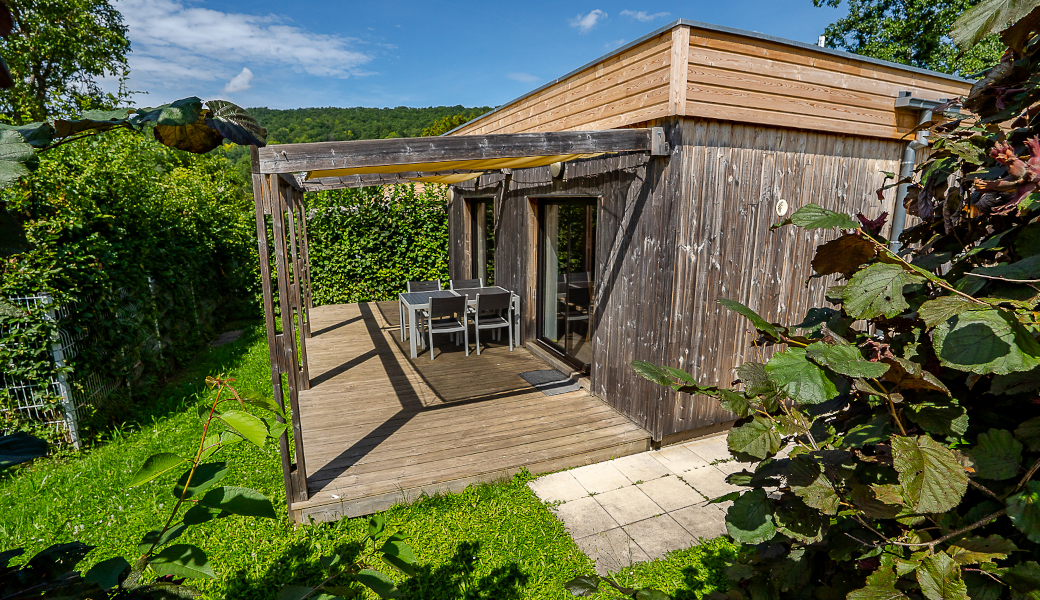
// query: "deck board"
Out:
[381,428]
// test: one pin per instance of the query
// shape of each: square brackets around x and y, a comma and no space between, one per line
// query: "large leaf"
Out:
[96,120]
[583,585]
[197,137]
[814,216]
[759,323]
[990,16]
[1029,433]
[881,585]
[182,560]
[940,418]
[750,519]
[235,124]
[986,341]
[940,578]
[399,555]
[37,135]
[239,501]
[14,152]
[156,465]
[975,550]
[251,428]
[874,431]
[866,499]
[108,573]
[844,359]
[933,480]
[378,583]
[799,378]
[910,375]
[156,538]
[997,455]
[798,521]
[756,439]
[12,234]
[1023,509]
[819,494]
[20,447]
[944,308]
[1027,268]
[877,291]
[1023,578]
[844,255]
[204,477]
[200,514]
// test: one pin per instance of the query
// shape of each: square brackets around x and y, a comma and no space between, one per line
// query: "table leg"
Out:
[400,316]
[411,331]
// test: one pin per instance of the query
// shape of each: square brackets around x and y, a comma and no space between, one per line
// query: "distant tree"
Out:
[445,124]
[57,52]
[912,32]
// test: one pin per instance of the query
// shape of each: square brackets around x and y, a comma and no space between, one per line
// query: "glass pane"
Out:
[568,277]
[489,241]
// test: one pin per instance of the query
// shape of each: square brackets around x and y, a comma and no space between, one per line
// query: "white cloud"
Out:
[585,23]
[240,82]
[641,15]
[615,43]
[523,77]
[175,43]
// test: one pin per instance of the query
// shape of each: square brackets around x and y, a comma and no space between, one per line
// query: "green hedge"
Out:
[365,244]
[106,215]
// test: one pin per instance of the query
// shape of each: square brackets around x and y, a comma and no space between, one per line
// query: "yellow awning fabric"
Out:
[450,165]
[453,178]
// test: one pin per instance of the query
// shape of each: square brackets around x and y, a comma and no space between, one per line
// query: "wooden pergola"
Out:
[283,173]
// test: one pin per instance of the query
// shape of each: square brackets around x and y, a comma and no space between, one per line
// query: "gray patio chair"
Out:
[489,315]
[465,284]
[424,286]
[579,306]
[448,315]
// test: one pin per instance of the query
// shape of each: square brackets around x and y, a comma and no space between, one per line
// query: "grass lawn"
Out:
[491,541]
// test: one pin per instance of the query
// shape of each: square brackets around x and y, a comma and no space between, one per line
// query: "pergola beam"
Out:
[369,179]
[318,156]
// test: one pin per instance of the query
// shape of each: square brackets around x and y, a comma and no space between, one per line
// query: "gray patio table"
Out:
[411,302]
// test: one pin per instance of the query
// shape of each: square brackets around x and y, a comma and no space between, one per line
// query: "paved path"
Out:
[643,506]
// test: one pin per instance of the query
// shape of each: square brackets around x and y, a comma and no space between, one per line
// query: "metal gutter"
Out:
[695,25]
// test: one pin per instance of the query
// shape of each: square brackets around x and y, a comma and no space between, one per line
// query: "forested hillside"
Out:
[357,123]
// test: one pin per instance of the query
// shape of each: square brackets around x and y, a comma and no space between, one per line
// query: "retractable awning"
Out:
[488,164]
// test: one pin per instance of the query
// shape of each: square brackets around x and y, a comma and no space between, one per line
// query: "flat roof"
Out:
[733,31]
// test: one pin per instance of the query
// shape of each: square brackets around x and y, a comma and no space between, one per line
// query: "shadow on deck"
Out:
[380,428]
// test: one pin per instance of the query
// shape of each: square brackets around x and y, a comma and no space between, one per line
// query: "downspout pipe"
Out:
[906,101]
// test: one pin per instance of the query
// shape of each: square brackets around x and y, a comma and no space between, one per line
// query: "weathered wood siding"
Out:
[676,234]
[723,74]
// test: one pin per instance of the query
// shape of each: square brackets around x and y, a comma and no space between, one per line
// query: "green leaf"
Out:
[877,291]
[984,342]
[399,555]
[12,234]
[912,376]
[1023,509]
[819,494]
[799,378]
[204,477]
[846,360]
[756,439]
[932,479]
[759,323]
[866,499]
[182,560]
[14,152]
[96,120]
[940,578]
[997,455]
[944,308]
[650,594]
[813,216]
[196,137]
[294,592]
[583,585]
[735,403]
[975,550]
[881,585]
[651,372]
[750,519]
[989,16]
[798,521]
[1023,578]
[378,583]
[250,427]
[256,399]
[1029,433]
[376,524]
[20,447]
[156,465]
[844,255]
[940,418]
[108,573]
[1027,268]
[239,501]
[1015,383]
[235,124]
[870,433]
[215,441]
[200,514]
[153,537]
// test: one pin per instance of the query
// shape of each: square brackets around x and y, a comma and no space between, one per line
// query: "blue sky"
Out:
[398,53]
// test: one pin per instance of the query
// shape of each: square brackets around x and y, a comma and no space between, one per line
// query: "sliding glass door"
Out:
[566,276]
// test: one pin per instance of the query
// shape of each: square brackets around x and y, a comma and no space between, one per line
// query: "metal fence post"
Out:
[58,353]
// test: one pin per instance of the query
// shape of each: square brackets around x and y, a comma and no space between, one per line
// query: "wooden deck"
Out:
[380,428]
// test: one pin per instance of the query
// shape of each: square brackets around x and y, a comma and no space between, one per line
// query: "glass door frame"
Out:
[539,203]
[477,229]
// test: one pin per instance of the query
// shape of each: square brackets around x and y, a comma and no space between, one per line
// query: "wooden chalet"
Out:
[620,202]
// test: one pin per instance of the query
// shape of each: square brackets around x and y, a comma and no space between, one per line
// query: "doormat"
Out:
[551,382]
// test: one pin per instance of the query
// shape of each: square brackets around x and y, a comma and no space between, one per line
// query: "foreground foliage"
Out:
[910,414]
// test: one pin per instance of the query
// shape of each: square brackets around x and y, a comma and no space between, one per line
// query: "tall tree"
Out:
[58,52]
[912,32]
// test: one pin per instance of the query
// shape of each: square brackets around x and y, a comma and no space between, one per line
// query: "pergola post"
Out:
[297,311]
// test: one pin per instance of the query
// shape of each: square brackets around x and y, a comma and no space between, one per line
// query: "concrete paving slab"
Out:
[659,535]
[711,483]
[584,517]
[558,487]
[670,493]
[702,522]
[611,550]
[679,459]
[640,467]
[628,505]
[600,477]
[710,448]
[732,466]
